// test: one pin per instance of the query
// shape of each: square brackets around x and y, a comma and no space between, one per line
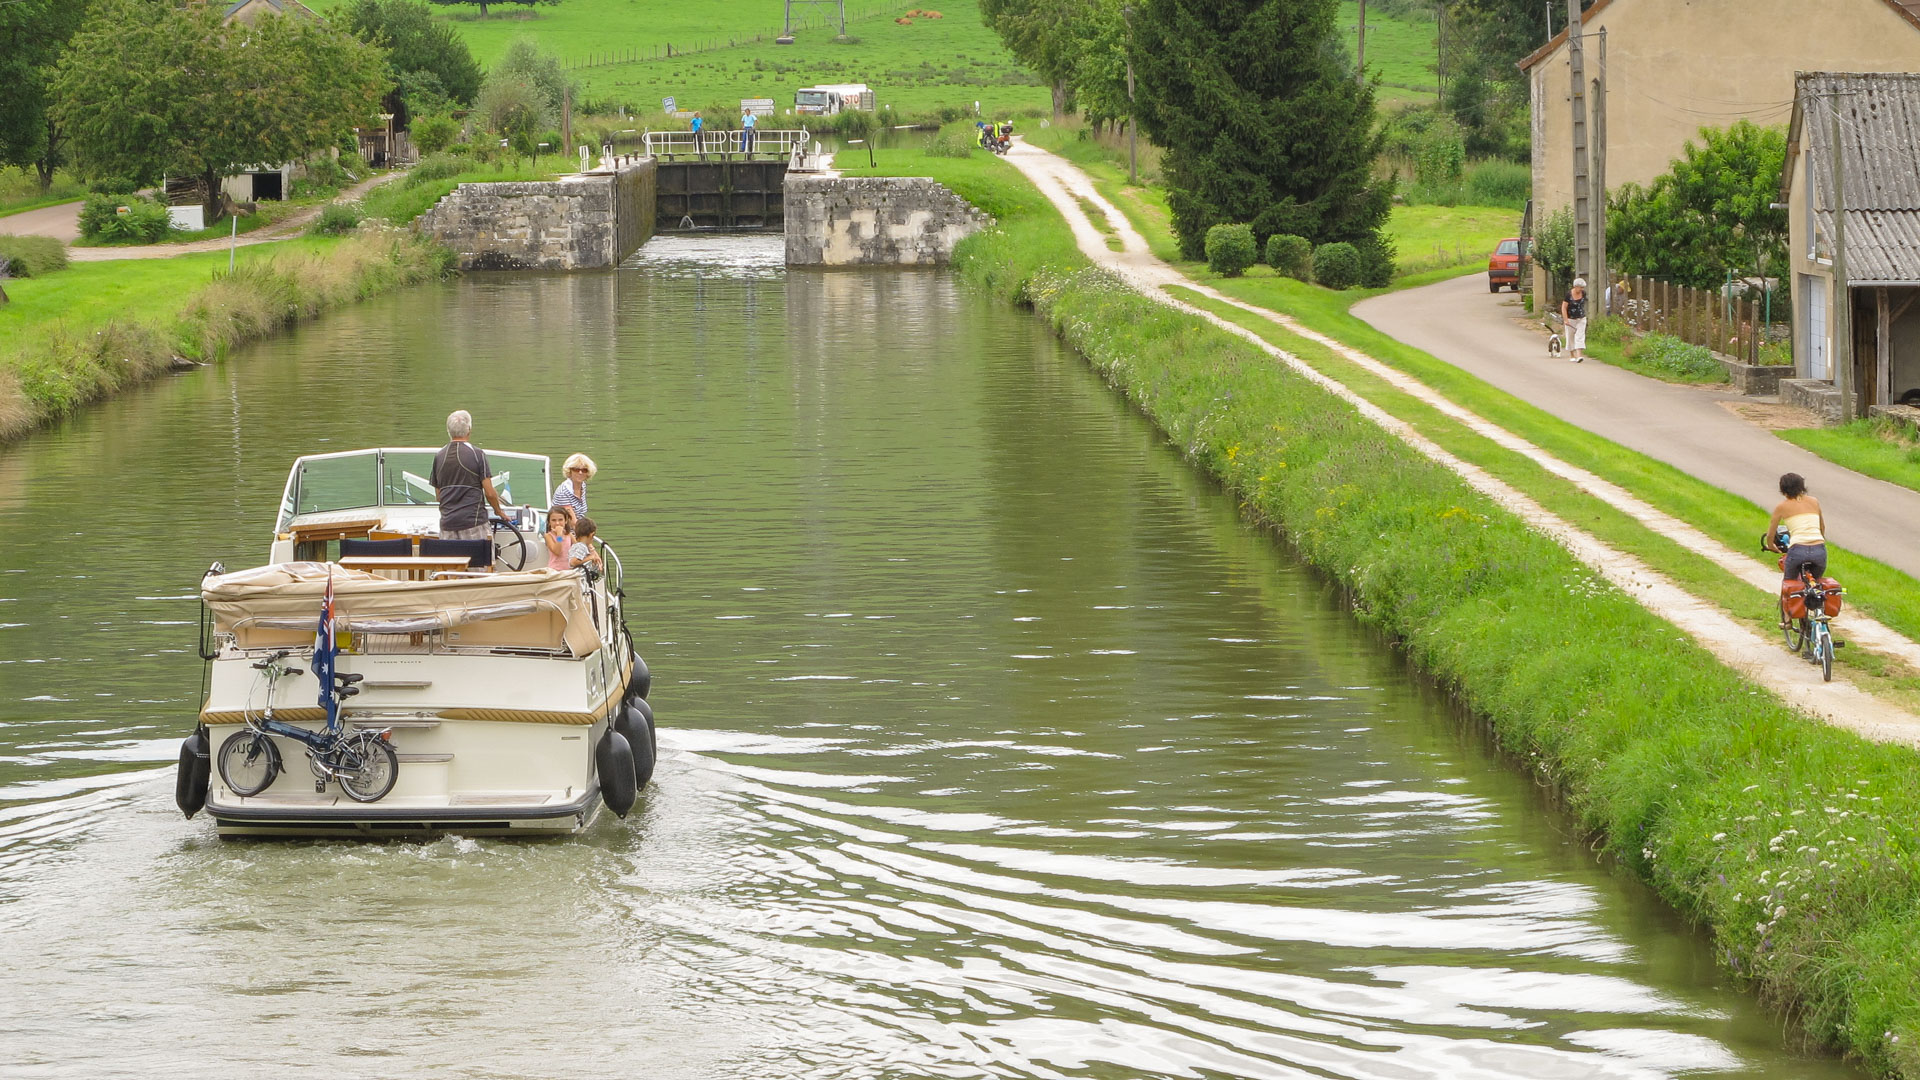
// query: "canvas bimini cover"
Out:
[279,605]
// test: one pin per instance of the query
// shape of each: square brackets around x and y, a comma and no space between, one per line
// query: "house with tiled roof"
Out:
[1676,66]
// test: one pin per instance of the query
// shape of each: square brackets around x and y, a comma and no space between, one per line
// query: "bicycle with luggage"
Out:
[1808,605]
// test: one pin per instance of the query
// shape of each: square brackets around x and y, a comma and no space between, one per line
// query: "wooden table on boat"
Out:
[416,567]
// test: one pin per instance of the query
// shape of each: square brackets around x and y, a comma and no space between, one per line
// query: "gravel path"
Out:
[1763,659]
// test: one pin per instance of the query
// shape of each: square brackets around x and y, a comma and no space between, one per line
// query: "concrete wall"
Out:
[875,221]
[588,221]
[1675,66]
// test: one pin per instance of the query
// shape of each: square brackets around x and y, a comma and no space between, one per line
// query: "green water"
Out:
[994,745]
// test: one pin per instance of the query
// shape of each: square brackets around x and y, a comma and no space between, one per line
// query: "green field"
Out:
[951,61]
[1401,52]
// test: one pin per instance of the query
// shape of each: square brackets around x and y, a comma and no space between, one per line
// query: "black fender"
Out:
[196,769]
[613,759]
[641,681]
[635,722]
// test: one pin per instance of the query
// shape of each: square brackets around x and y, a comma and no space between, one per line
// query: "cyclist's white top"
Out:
[1803,529]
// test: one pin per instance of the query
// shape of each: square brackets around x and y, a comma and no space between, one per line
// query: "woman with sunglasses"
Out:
[572,492]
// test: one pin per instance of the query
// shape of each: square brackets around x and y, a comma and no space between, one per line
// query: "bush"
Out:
[1439,154]
[114,185]
[1377,267]
[1498,183]
[1291,255]
[32,256]
[145,221]
[1673,355]
[432,134]
[336,219]
[437,167]
[1230,249]
[1337,265]
[325,173]
[949,144]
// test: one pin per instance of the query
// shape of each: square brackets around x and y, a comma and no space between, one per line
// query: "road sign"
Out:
[666,105]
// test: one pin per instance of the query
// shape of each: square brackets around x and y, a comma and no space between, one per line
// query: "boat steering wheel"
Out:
[511,554]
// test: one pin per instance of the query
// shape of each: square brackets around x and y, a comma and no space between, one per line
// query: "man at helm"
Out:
[461,477]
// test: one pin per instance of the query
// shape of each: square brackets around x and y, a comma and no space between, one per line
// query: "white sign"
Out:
[666,105]
[758,106]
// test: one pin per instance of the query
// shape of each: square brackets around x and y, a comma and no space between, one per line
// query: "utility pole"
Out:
[1598,211]
[1360,64]
[1133,160]
[1842,294]
[1582,183]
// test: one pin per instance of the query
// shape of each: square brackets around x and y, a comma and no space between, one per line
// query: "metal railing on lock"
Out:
[766,143]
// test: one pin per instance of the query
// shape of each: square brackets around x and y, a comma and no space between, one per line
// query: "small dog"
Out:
[1554,345]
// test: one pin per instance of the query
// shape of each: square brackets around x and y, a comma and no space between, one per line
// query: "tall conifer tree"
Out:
[1261,119]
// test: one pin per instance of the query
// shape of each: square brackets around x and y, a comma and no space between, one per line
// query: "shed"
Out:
[1878,115]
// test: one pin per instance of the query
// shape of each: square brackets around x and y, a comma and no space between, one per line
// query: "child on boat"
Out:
[559,537]
[583,553]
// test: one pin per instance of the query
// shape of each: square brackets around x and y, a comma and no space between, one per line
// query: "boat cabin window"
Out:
[366,479]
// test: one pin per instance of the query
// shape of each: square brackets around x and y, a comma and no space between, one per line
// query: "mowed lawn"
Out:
[87,294]
[1434,237]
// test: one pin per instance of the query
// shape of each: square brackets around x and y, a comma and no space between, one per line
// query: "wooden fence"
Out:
[635,54]
[1733,326]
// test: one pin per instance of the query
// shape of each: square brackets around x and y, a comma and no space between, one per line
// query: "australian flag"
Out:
[325,649]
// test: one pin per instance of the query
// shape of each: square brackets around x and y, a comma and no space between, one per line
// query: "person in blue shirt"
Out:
[697,125]
[747,120]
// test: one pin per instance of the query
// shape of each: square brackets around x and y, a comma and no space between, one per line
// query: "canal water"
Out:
[994,744]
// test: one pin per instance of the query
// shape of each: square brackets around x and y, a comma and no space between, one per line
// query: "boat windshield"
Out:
[810,97]
[364,479]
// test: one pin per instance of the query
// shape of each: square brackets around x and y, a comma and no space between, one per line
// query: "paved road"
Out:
[1687,427]
[61,221]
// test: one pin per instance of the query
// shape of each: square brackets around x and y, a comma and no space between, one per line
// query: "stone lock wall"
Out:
[588,221]
[875,221]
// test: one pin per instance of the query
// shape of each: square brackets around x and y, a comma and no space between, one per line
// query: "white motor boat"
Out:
[435,696]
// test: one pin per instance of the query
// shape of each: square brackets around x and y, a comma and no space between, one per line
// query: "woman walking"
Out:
[572,492]
[1573,319]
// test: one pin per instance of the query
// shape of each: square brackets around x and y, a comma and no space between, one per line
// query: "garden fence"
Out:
[635,54]
[1735,326]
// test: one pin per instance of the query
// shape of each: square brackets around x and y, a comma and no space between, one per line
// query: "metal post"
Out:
[1133,160]
[1582,193]
[1842,320]
[1602,273]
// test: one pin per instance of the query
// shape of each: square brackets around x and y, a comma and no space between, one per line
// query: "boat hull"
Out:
[322,816]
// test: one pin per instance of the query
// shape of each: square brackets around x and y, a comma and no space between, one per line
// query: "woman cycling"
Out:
[1799,517]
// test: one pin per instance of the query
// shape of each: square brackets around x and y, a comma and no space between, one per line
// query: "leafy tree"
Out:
[1099,80]
[1710,213]
[1045,35]
[147,88]
[1553,245]
[509,106]
[415,44]
[32,35]
[526,62]
[1256,107]
[485,4]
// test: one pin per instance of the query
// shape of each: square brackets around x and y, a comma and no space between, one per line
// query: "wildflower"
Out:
[1719,836]
[1780,912]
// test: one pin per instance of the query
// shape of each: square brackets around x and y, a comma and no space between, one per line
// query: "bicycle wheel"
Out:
[1823,645]
[1791,629]
[249,762]
[368,768]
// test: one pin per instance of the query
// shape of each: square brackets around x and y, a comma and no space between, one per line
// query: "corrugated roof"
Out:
[1879,165]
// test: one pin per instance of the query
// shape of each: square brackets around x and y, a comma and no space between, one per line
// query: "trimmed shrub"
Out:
[336,219]
[1291,255]
[1337,265]
[145,221]
[1230,249]
[432,134]
[1377,266]
[32,256]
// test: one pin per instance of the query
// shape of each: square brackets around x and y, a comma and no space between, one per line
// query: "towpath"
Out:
[1688,427]
[63,222]
[1760,658]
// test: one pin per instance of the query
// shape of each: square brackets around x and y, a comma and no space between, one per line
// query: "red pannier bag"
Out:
[1831,586]
[1793,594]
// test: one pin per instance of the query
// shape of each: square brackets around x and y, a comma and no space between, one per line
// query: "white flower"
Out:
[1719,836]
[1780,911]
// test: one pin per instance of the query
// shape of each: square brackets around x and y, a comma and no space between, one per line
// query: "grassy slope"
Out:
[954,60]
[1794,842]
[1401,52]
[1865,447]
[403,200]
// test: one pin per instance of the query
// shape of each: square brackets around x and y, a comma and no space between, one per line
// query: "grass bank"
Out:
[96,328]
[1795,844]
[400,201]
[1880,448]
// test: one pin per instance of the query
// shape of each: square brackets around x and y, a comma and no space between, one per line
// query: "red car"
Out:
[1503,266]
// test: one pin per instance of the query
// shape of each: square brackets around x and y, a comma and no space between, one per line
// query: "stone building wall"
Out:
[589,221]
[875,221]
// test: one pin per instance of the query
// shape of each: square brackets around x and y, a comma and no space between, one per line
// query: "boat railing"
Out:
[415,633]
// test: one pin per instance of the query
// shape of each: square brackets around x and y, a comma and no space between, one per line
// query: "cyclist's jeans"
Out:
[1813,556]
